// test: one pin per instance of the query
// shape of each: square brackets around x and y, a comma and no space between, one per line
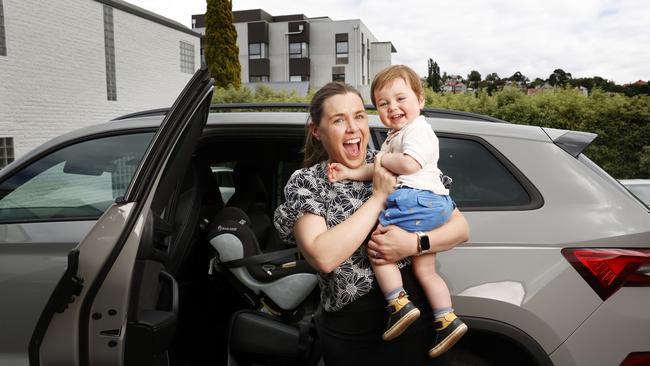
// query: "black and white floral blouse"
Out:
[309,190]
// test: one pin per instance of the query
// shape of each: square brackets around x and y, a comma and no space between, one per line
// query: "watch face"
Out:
[424,242]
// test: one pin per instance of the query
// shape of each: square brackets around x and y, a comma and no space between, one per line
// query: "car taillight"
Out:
[637,359]
[607,270]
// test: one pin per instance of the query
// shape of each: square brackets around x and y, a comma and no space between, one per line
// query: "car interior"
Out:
[238,284]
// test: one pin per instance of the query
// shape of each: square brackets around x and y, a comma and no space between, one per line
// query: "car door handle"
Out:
[173,285]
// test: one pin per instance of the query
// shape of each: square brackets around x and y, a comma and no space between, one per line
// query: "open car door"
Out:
[116,303]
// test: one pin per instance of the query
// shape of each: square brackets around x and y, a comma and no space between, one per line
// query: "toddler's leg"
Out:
[434,286]
[401,312]
[449,328]
[389,279]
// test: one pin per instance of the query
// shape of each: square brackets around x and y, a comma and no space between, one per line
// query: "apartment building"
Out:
[296,52]
[69,64]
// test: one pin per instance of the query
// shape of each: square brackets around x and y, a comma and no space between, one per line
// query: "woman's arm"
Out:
[393,243]
[326,249]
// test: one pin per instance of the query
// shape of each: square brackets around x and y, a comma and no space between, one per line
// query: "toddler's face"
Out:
[398,104]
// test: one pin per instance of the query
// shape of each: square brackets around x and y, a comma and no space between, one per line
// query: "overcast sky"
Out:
[607,38]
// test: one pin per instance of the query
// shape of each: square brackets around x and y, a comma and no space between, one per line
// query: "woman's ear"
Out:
[313,129]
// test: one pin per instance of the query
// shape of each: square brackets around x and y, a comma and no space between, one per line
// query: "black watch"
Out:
[423,242]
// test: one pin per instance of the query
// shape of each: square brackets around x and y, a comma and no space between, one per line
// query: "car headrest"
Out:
[234,221]
[249,187]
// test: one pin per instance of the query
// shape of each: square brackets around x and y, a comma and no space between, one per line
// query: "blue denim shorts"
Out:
[416,210]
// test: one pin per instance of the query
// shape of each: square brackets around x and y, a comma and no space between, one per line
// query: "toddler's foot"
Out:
[401,314]
[449,329]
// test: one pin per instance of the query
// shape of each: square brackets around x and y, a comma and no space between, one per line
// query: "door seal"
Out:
[70,284]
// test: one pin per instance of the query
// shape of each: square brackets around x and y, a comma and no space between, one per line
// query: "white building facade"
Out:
[69,64]
[296,52]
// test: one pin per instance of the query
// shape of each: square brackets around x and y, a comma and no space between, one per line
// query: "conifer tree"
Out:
[221,51]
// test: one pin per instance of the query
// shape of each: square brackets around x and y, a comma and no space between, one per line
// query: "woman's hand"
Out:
[383,181]
[388,244]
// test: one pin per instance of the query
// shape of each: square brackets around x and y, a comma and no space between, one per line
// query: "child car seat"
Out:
[278,275]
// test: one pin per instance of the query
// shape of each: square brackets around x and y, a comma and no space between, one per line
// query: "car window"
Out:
[223,175]
[79,181]
[285,169]
[642,191]
[481,180]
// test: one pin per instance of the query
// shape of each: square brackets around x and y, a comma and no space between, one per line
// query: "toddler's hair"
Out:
[393,72]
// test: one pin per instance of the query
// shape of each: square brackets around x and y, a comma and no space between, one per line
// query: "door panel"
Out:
[93,328]
[61,340]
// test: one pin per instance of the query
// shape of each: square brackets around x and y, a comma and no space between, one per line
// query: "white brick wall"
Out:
[53,77]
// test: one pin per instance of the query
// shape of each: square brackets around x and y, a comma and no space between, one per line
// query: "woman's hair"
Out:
[391,73]
[314,150]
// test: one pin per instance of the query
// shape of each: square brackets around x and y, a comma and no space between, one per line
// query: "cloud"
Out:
[606,38]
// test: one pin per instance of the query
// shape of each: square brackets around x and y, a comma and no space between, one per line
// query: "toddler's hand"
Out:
[337,172]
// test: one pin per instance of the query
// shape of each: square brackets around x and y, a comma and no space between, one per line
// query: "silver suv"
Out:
[104,253]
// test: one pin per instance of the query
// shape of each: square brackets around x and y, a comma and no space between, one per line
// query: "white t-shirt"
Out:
[418,140]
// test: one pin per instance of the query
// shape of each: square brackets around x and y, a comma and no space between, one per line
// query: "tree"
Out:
[491,83]
[474,78]
[519,78]
[559,77]
[221,51]
[434,81]
[644,162]
[537,83]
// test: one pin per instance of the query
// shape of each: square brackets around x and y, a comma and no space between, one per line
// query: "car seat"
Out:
[251,197]
[279,276]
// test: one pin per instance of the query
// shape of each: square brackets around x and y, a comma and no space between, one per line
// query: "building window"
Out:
[258,50]
[297,78]
[338,77]
[6,150]
[3,39]
[298,50]
[338,73]
[187,57]
[109,53]
[342,49]
[258,79]
[368,58]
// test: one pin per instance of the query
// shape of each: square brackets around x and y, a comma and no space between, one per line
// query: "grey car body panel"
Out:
[32,256]
[526,293]
[625,314]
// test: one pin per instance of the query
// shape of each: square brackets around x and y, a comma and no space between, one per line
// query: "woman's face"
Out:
[343,130]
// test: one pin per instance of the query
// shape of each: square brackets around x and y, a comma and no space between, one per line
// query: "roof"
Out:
[446,121]
[146,14]
[392,47]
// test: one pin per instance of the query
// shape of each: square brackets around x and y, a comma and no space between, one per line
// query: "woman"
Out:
[331,223]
